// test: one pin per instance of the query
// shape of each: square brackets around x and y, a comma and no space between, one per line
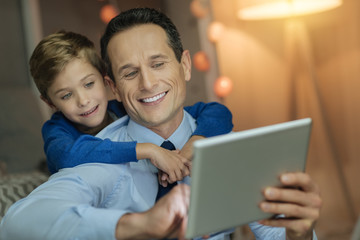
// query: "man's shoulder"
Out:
[113,130]
[106,175]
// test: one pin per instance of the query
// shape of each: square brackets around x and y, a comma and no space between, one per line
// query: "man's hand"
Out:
[166,219]
[299,201]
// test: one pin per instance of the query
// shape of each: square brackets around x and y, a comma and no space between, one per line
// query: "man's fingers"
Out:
[295,196]
[299,179]
[290,210]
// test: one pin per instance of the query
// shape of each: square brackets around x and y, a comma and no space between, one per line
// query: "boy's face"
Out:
[79,93]
[150,82]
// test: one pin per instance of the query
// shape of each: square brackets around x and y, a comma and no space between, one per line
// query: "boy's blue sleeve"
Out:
[65,146]
[212,118]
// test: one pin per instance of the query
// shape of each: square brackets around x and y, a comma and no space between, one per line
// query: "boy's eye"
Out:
[89,84]
[66,96]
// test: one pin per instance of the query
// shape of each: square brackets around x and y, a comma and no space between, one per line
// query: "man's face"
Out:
[149,80]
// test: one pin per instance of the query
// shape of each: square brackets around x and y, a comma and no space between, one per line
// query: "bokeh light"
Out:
[201,61]
[223,86]
[107,13]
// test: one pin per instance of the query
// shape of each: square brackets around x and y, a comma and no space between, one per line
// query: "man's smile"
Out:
[154,98]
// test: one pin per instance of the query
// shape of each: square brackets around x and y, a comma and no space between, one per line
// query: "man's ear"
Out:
[112,85]
[186,64]
[107,80]
[49,103]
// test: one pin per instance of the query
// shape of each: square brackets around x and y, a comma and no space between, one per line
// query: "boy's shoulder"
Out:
[59,121]
[117,108]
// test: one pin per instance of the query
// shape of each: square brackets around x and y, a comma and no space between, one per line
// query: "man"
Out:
[100,201]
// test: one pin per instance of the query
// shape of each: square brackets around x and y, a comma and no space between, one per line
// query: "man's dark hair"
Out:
[139,16]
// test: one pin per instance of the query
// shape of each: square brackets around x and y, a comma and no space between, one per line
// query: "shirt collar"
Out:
[181,135]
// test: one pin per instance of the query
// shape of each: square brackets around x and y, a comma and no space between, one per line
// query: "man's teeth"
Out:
[153,99]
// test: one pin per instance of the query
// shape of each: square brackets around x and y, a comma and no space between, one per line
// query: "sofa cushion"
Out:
[16,186]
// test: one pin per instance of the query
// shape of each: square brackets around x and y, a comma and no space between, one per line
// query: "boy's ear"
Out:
[49,103]
[112,85]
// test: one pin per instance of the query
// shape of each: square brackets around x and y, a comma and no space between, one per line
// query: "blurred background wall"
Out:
[277,70]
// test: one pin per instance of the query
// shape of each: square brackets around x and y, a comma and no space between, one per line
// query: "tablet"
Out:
[230,171]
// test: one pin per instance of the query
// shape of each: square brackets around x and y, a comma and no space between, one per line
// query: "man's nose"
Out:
[148,80]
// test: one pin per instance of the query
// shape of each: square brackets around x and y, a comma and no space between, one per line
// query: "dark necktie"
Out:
[164,190]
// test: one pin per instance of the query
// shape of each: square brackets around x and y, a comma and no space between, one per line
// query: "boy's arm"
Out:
[212,118]
[66,147]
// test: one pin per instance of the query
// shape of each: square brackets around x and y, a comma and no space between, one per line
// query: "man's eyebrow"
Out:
[129,65]
[157,56]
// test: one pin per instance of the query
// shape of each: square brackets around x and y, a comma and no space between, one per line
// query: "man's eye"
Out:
[157,65]
[89,84]
[66,96]
[131,75]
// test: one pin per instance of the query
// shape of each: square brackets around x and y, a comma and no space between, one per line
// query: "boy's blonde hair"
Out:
[55,51]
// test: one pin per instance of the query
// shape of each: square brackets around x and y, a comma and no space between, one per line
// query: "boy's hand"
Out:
[172,166]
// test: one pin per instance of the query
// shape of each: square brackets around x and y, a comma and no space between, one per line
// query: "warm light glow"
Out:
[286,8]
[201,61]
[107,13]
[223,86]
[215,31]
[198,9]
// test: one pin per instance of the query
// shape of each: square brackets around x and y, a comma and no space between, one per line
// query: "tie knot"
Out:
[168,145]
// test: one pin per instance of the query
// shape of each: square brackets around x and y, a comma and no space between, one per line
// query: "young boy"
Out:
[72,80]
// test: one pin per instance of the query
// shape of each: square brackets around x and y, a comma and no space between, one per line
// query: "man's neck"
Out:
[167,128]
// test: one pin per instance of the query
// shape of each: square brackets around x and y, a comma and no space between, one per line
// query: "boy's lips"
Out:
[85,114]
[154,98]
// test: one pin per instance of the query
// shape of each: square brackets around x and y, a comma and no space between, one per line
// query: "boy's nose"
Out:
[83,99]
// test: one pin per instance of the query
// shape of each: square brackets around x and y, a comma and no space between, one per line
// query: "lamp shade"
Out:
[267,9]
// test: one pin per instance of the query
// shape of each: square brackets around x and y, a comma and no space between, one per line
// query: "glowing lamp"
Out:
[215,31]
[201,61]
[223,86]
[198,9]
[107,13]
[267,9]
